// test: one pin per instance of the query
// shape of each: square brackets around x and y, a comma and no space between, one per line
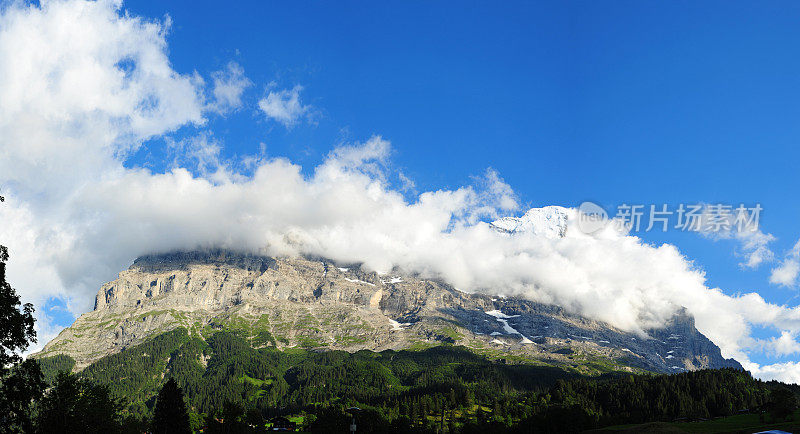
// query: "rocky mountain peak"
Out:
[549,221]
[316,303]
[155,263]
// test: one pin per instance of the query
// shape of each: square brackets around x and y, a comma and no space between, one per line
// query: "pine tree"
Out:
[170,415]
[76,405]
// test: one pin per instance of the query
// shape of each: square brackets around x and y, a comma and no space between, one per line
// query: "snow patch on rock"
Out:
[549,221]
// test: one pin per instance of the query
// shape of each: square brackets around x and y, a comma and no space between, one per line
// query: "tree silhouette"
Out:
[75,404]
[782,403]
[19,389]
[20,383]
[16,325]
[170,415]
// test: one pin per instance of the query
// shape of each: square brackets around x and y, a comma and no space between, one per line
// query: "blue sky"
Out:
[611,102]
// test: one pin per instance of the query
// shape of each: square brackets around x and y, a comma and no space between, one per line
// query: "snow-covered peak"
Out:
[548,221]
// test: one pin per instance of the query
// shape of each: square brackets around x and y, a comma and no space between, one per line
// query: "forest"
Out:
[229,386]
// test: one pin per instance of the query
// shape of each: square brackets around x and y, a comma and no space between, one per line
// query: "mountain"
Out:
[314,303]
[549,221]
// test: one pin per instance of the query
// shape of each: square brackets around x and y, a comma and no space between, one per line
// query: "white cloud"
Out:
[407,184]
[284,106]
[81,83]
[783,345]
[81,86]
[228,87]
[742,225]
[787,372]
[786,273]
[72,108]
[201,152]
[755,248]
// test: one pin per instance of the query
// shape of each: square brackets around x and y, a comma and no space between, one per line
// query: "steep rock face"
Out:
[315,303]
[684,344]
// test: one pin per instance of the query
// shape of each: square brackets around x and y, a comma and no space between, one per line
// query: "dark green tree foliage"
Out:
[231,419]
[21,386]
[77,405]
[237,387]
[225,377]
[20,383]
[170,415]
[136,372]
[52,365]
[585,403]
[782,403]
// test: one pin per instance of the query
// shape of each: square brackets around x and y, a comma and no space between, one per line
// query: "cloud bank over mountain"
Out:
[83,84]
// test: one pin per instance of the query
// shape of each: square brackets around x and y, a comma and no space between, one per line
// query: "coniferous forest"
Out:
[228,386]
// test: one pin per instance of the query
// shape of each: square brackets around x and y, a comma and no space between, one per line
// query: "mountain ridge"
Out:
[549,221]
[316,303]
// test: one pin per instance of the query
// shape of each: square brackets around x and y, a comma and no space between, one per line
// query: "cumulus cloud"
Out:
[782,345]
[228,87]
[82,84]
[786,273]
[788,372]
[284,106]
